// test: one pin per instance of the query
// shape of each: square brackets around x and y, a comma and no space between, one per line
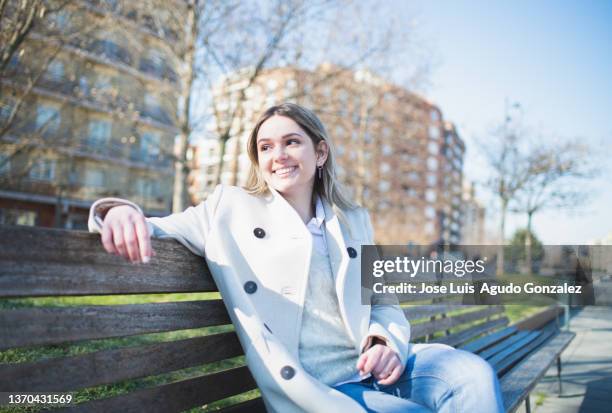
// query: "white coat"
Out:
[258,251]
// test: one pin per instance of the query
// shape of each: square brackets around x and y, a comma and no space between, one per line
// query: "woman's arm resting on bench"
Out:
[126,232]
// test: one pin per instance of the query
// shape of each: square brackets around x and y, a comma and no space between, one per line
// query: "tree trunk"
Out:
[502,230]
[220,163]
[528,243]
[181,169]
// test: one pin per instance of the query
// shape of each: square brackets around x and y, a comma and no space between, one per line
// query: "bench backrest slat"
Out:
[431,310]
[520,351]
[36,262]
[503,345]
[446,323]
[53,325]
[470,333]
[111,366]
[484,343]
[250,406]
[177,396]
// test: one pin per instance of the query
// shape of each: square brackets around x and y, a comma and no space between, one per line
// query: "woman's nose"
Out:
[280,152]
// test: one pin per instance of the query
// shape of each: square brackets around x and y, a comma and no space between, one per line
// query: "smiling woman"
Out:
[285,255]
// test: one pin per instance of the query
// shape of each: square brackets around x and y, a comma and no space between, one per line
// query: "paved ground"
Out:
[587,367]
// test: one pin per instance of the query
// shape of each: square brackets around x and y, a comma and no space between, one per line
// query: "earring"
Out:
[320,168]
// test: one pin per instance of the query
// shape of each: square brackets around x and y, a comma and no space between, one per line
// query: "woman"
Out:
[284,253]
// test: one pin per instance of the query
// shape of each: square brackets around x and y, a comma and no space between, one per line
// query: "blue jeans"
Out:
[437,378]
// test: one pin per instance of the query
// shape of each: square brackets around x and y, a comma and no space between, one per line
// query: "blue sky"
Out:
[554,58]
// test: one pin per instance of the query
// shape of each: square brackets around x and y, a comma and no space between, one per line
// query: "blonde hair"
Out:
[327,187]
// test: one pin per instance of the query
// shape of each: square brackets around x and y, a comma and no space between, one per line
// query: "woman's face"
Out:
[287,157]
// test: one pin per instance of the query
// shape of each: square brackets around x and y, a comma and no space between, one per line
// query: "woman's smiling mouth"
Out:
[285,171]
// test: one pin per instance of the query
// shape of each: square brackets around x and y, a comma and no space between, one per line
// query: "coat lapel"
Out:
[292,225]
[339,259]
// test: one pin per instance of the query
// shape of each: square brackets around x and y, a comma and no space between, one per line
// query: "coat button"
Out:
[287,372]
[352,252]
[259,233]
[250,287]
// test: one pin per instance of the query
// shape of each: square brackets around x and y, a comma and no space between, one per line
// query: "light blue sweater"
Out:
[325,349]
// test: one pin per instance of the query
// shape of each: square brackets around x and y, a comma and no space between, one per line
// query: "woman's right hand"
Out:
[125,233]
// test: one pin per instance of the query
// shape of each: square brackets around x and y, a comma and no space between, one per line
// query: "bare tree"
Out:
[295,34]
[256,41]
[508,175]
[552,181]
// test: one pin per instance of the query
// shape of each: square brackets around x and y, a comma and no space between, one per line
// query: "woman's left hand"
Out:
[382,362]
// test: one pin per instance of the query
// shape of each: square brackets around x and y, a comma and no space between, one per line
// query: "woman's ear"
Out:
[322,151]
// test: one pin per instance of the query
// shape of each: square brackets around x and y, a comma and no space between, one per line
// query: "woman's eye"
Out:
[292,141]
[264,148]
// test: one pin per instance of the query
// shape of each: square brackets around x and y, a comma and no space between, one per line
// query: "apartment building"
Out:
[100,119]
[395,153]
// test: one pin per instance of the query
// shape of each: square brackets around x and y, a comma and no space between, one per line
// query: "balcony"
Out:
[160,71]
[139,154]
[110,50]
[157,114]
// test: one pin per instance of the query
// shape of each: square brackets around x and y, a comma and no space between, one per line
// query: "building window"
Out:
[149,146]
[142,187]
[76,222]
[384,168]
[387,149]
[5,164]
[382,205]
[431,179]
[432,163]
[430,212]
[383,186]
[43,170]
[433,148]
[434,132]
[55,71]
[48,119]
[99,133]
[59,20]
[430,195]
[103,86]
[9,216]
[151,101]
[429,228]
[6,107]
[434,115]
[339,131]
[94,178]
[271,85]
[84,85]
[290,88]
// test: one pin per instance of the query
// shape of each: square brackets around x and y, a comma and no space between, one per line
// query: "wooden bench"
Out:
[74,320]
[520,354]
